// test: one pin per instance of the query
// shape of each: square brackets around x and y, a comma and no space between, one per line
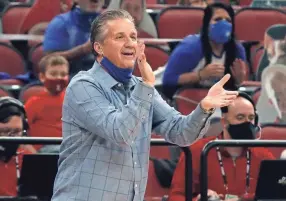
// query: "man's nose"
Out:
[130,42]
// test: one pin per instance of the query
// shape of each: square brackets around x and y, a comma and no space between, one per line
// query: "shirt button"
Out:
[135,163]
[120,85]
[150,95]
[136,185]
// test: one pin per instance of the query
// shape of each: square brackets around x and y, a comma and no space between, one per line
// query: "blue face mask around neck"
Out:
[122,75]
[220,32]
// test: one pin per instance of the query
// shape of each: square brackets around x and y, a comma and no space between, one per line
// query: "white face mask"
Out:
[273,58]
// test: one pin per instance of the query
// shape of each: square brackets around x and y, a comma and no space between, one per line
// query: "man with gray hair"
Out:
[108,116]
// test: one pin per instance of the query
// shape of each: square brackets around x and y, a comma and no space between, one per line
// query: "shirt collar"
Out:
[225,153]
[106,79]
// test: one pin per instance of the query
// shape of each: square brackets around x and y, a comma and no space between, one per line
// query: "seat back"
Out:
[151,1]
[11,82]
[159,151]
[29,91]
[4,92]
[256,95]
[35,55]
[178,21]
[256,57]
[13,17]
[245,2]
[173,2]
[251,23]
[11,60]
[41,11]
[187,99]
[155,56]
[274,132]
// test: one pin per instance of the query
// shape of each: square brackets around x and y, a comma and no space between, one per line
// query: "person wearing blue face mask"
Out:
[202,59]
[109,114]
[68,34]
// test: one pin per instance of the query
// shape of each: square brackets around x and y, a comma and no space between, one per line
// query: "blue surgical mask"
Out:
[122,75]
[220,32]
[84,19]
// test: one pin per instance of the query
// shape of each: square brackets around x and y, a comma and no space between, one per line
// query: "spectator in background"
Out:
[137,9]
[268,3]
[272,37]
[40,28]
[68,34]
[44,111]
[195,3]
[13,123]
[228,167]
[271,104]
[204,58]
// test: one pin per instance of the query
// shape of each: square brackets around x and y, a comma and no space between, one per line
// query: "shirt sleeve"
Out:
[56,36]
[91,110]
[183,59]
[240,52]
[31,110]
[175,127]
[268,155]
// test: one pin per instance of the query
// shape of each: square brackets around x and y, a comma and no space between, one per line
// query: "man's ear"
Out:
[98,48]
[223,121]
[42,77]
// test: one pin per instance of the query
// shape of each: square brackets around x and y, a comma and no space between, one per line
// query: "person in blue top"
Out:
[204,58]
[68,34]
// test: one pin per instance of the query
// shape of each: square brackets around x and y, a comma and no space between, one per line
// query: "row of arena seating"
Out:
[251,23]
[14,63]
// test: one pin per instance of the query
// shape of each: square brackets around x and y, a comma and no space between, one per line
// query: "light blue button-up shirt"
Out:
[107,128]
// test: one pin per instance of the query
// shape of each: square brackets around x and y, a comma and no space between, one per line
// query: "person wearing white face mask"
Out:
[280,53]
[273,34]
[271,104]
[232,171]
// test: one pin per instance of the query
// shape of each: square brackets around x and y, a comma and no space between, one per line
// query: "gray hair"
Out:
[98,29]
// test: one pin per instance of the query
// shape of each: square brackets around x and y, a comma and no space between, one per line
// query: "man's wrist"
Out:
[206,107]
[150,84]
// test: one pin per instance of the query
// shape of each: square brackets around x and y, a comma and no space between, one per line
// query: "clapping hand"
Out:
[146,71]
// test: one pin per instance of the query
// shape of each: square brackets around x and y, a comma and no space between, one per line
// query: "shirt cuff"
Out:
[144,92]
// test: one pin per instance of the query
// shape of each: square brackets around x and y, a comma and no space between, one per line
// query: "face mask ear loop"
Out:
[260,133]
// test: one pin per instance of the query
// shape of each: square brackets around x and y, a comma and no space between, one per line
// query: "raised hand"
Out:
[146,71]
[218,96]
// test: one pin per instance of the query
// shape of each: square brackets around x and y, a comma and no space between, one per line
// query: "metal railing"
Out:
[154,142]
[229,143]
